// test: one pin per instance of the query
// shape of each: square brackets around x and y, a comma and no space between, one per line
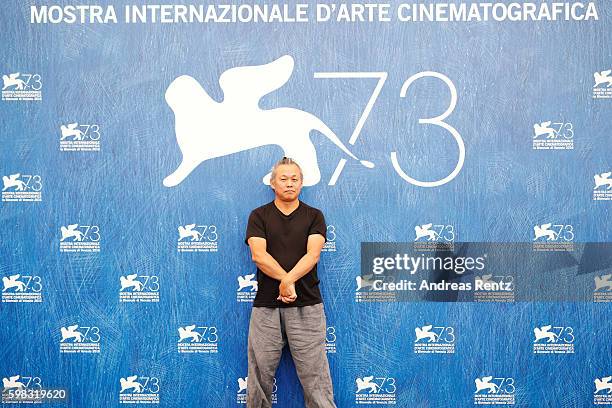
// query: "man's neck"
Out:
[286,207]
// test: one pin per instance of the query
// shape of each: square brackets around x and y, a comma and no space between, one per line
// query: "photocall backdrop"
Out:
[130,166]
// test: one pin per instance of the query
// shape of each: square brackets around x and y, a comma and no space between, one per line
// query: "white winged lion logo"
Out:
[206,129]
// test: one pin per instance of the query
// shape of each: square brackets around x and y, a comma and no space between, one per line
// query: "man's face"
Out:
[287,182]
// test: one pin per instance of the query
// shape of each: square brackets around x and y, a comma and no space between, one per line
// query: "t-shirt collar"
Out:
[291,213]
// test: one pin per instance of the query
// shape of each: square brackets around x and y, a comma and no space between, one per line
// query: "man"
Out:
[286,237]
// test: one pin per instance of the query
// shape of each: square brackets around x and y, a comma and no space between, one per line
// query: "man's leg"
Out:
[306,329]
[265,346]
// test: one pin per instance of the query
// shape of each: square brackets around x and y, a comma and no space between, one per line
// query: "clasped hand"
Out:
[287,290]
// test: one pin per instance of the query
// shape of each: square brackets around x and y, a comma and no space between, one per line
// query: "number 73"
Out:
[436,121]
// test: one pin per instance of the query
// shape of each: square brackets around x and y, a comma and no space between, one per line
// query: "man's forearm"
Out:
[304,265]
[270,266]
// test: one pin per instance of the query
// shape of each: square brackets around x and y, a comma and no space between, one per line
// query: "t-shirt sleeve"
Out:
[318,225]
[255,227]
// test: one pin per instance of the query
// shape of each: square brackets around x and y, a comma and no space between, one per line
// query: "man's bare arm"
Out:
[309,260]
[264,261]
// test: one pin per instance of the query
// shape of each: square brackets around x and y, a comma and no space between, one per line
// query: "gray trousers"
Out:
[304,328]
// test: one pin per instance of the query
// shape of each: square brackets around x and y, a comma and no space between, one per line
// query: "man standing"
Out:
[286,237]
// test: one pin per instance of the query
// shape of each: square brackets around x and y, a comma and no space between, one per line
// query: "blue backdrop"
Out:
[508,76]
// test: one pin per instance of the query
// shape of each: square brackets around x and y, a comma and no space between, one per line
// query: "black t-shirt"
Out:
[286,240]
